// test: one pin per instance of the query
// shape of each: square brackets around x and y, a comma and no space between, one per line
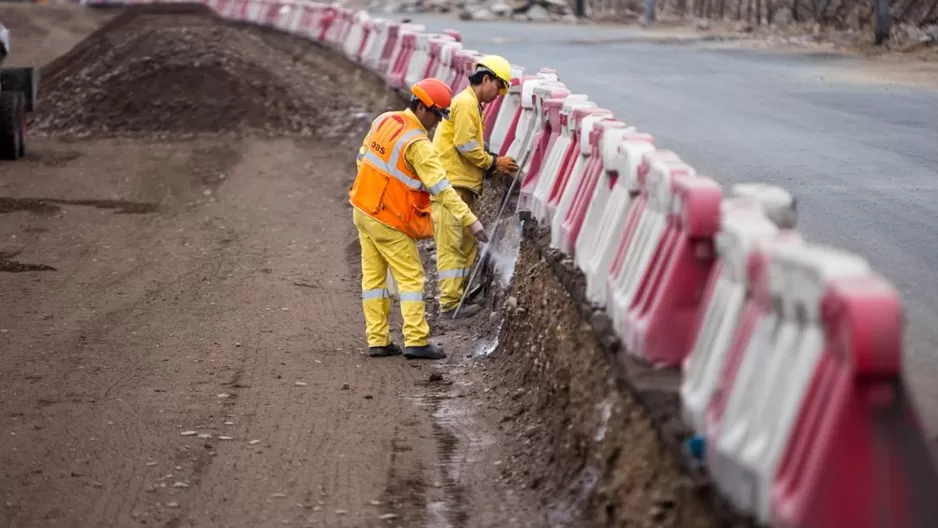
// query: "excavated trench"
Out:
[537,379]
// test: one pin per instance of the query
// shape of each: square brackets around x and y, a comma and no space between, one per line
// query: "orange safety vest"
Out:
[386,188]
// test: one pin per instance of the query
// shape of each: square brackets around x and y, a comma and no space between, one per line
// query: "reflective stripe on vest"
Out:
[390,167]
[386,187]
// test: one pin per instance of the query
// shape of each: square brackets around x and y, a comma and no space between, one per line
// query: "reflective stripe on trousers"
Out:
[384,248]
[456,251]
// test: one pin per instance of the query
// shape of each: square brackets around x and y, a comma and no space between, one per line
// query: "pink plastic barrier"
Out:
[659,325]
[857,420]
[613,199]
[390,45]
[548,102]
[464,61]
[502,130]
[433,66]
[573,221]
[644,227]
[513,123]
[571,157]
[402,60]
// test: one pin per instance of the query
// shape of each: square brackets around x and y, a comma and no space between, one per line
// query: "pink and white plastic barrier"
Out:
[790,351]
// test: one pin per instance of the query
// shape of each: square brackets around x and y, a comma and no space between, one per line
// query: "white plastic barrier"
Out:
[551,167]
[397,72]
[291,16]
[585,246]
[336,29]
[582,128]
[355,35]
[779,362]
[505,129]
[541,92]
[255,13]
[374,43]
[636,251]
[420,58]
[629,157]
[435,67]
[532,162]
[524,131]
[447,70]
[744,224]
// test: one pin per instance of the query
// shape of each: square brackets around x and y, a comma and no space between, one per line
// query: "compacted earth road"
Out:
[180,324]
[181,338]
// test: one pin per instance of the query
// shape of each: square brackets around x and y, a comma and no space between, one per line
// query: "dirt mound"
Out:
[178,70]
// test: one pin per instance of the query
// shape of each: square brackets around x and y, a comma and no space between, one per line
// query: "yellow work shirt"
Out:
[423,159]
[460,143]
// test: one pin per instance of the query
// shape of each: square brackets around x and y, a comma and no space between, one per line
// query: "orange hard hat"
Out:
[434,94]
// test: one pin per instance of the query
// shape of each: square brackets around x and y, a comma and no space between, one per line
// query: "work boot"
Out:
[467,310]
[424,352]
[385,351]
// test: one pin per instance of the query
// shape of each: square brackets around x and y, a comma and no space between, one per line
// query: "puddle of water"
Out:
[489,343]
[48,205]
[7,264]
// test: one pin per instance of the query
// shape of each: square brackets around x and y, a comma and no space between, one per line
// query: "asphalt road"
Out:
[860,158]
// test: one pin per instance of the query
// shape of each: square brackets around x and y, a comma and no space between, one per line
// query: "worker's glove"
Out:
[506,165]
[478,231]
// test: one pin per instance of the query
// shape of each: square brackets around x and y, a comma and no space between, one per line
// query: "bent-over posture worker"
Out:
[459,141]
[398,171]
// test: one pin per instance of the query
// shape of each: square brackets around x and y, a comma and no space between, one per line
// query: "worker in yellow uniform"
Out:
[398,172]
[461,146]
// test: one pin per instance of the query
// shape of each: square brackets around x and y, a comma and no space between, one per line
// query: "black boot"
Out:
[424,352]
[385,351]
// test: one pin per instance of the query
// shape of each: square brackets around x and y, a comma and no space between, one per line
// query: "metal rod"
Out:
[486,249]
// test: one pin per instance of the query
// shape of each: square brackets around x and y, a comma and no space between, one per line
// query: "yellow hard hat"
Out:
[498,66]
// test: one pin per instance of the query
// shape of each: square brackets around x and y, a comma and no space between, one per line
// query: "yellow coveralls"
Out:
[384,247]
[461,146]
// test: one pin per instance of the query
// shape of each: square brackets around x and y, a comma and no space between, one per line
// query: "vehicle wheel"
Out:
[9,125]
[22,122]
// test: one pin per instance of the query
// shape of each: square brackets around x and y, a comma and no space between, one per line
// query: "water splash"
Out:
[505,250]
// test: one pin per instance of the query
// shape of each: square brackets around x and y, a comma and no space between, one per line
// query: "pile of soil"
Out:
[178,70]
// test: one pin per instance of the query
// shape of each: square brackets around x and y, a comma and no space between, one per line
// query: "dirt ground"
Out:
[180,324]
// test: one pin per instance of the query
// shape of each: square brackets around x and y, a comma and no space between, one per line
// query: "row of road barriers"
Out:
[791,351]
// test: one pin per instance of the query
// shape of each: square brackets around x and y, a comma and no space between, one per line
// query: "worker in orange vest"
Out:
[398,171]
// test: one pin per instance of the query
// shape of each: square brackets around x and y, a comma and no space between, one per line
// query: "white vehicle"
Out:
[18,87]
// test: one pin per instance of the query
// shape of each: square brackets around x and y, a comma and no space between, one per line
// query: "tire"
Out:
[24,80]
[11,108]
[22,128]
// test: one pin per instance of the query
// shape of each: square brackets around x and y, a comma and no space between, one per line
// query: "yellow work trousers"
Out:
[456,250]
[383,248]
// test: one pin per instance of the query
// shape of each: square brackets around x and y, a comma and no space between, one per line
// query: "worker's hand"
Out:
[506,165]
[478,231]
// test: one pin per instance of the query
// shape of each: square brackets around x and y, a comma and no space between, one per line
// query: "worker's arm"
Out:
[467,128]
[426,163]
